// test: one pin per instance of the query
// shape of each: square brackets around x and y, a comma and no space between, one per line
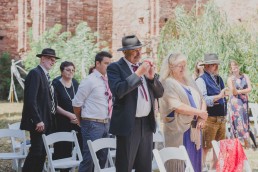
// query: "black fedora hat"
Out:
[48,52]
[130,42]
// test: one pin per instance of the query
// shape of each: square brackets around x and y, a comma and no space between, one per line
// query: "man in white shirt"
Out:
[93,106]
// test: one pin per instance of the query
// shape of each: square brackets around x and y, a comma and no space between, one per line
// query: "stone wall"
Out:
[8,25]
[129,17]
[112,19]
[239,11]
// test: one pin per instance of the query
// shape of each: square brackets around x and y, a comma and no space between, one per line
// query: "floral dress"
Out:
[237,110]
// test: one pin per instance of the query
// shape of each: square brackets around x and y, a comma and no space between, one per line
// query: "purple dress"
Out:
[237,111]
[194,154]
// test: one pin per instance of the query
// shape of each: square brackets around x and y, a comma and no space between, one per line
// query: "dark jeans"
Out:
[37,155]
[92,131]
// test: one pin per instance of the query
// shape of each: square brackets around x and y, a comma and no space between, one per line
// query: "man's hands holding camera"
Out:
[147,68]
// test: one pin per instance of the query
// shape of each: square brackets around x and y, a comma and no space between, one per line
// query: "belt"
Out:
[219,118]
[96,120]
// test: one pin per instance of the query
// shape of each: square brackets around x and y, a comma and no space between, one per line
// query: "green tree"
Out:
[80,48]
[210,32]
[5,75]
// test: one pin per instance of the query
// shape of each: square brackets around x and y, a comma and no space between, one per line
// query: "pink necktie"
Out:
[143,89]
[109,95]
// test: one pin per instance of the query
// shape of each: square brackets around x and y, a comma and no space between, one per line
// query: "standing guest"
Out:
[66,121]
[213,90]
[38,109]
[198,69]
[240,85]
[183,111]
[93,106]
[134,87]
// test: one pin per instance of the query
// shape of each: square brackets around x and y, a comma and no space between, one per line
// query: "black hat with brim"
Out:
[48,52]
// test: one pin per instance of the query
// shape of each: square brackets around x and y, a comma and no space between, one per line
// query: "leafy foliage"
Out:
[79,48]
[210,32]
[5,75]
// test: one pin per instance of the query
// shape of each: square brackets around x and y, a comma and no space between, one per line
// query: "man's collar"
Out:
[44,69]
[129,63]
[97,73]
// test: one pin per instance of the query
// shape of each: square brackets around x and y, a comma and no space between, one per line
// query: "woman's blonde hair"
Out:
[229,66]
[170,61]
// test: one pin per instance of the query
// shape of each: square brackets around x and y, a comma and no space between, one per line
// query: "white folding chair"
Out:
[216,148]
[254,110]
[158,139]
[70,162]
[169,153]
[97,145]
[16,144]
[17,154]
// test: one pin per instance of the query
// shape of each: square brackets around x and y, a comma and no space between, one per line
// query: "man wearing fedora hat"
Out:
[134,87]
[213,90]
[38,109]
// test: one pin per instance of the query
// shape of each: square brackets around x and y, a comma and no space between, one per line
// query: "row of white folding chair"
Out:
[172,153]
[16,144]
[17,154]
[110,143]
[216,147]
[158,139]
[62,136]
[97,145]
[70,162]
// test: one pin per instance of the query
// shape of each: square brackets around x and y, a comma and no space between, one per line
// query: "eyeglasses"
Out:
[180,66]
[70,70]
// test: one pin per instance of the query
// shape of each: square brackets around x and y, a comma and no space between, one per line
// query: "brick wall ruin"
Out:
[112,19]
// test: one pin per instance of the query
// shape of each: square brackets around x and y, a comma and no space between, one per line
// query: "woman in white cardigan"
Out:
[183,111]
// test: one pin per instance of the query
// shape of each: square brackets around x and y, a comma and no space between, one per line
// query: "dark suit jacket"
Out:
[123,85]
[37,101]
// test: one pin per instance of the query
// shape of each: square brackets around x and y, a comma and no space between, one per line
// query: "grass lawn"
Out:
[10,113]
